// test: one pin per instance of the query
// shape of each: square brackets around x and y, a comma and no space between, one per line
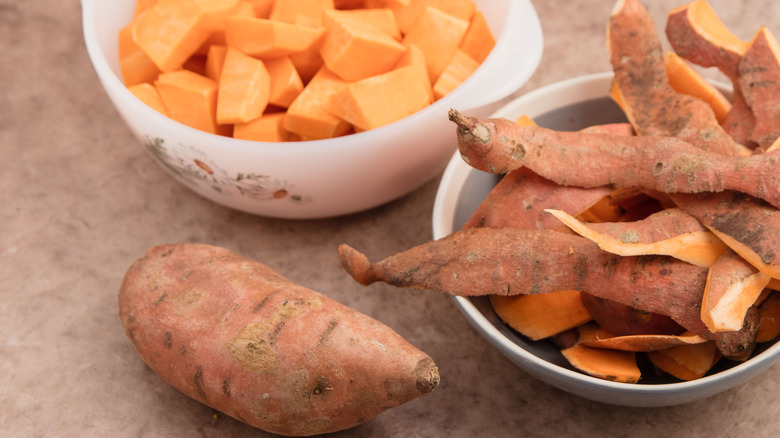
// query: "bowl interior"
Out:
[568,106]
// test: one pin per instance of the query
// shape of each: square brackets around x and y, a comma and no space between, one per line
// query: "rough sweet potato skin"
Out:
[234,334]
[656,162]
[507,261]
[652,105]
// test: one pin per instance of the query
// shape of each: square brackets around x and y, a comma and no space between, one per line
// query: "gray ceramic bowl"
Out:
[570,105]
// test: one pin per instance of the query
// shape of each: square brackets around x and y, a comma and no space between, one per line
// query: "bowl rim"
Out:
[522,9]
[447,201]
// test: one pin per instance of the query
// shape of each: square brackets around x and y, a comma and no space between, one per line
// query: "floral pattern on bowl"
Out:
[194,168]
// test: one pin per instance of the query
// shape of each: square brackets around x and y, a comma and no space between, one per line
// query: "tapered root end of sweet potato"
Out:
[356,264]
[459,119]
[427,376]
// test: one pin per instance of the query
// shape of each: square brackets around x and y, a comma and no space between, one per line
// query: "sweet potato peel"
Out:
[613,365]
[686,362]
[651,104]
[759,80]
[733,286]
[607,364]
[749,227]
[696,34]
[669,232]
[519,200]
[665,164]
[541,316]
[486,261]
[645,343]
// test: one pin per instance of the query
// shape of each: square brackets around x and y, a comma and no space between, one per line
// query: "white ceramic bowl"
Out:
[314,179]
[569,105]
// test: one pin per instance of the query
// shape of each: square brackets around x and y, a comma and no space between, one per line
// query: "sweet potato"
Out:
[669,232]
[684,79]
[519,200]
[148,94]
[379,18]
[355,50]
[408,12]
[375,101]
[607,364]
[286,83]
[296,40]
[697,34]
[265,38]
[307,115]
[487,261]
[542,315]
[171,31]
[244,88]
[651,104]
[759,80]
[298,11]
[478,40]
[665,164]
[438,34]
[622,319]
[769,325]
[754,218]
[733,286]
[646,343]
[460,67]
[190,99]
[745,224]
[135,65]
[686,362]
[613,365]
[235,335]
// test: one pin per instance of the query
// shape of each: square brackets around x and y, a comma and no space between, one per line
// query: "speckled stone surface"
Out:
[80,200]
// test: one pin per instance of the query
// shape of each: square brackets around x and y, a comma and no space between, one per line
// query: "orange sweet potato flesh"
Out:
[355,51]
[646,343]
[608,364]
[543,315]
[613,365]
[488,261]
[669,232]
[438,34]
[171,31]
[686,362]
[244,88]
[662,163]
[697,34]
[684,79]
[478,40]
[733,286]
[235,335]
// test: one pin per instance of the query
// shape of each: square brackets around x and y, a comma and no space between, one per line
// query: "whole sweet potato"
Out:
[234,334]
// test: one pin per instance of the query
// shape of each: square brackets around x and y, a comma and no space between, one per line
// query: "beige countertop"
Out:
[80,200]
